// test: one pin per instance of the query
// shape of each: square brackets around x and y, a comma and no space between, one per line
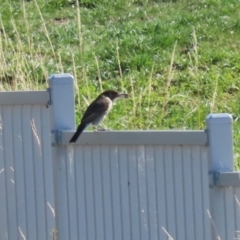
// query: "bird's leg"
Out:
[100,129]
[104,128]
[97,129]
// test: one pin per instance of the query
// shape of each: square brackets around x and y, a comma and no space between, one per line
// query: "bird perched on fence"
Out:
[97,111]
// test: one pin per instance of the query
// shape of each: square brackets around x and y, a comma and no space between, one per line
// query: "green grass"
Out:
[178,60]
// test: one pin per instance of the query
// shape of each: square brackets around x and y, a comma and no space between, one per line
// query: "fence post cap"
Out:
[61,78]
[219,118]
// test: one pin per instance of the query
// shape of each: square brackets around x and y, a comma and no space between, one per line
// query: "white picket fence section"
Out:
[118,185]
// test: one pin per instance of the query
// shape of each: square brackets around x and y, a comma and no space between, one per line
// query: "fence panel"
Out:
[26,184]
[133,192]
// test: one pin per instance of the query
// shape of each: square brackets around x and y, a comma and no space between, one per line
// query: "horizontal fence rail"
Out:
[24,97]
[136,138]
[226,179]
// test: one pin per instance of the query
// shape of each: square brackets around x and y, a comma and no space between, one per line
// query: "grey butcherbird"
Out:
[97,111]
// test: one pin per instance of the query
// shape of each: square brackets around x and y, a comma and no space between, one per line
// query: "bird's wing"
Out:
[94,110]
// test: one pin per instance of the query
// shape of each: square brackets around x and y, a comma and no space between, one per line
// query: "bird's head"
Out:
[113,95]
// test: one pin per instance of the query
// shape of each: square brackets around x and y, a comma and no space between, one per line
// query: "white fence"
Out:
[26,179]
[126,185]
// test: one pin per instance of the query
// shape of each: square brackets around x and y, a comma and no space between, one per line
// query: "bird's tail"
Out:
[80,129]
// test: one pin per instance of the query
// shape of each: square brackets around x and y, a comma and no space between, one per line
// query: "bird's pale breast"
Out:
[98,120]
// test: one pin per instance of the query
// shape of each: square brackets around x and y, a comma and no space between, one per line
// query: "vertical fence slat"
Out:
[171,207]
[98,190]
[205,192]
[90,198]
[29,174]
[10,175]
[107,198]
[81,192]
[38,171]
[142,188]
[133,188]
[151,192]
[160,190]
[179,198]
[60,180]
[19,172]
[188,194]
[237,211]
[229,213]
[218,225]
[3,200]
[71,191]
[197,191]
[115,190]
[125,199]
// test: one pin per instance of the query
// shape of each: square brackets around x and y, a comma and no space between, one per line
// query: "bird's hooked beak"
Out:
[122,95]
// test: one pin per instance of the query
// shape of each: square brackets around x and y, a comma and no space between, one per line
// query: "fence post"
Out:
[63,118]
[220,141]
[62,100]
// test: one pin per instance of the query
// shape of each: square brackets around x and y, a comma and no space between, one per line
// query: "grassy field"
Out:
[178,60]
